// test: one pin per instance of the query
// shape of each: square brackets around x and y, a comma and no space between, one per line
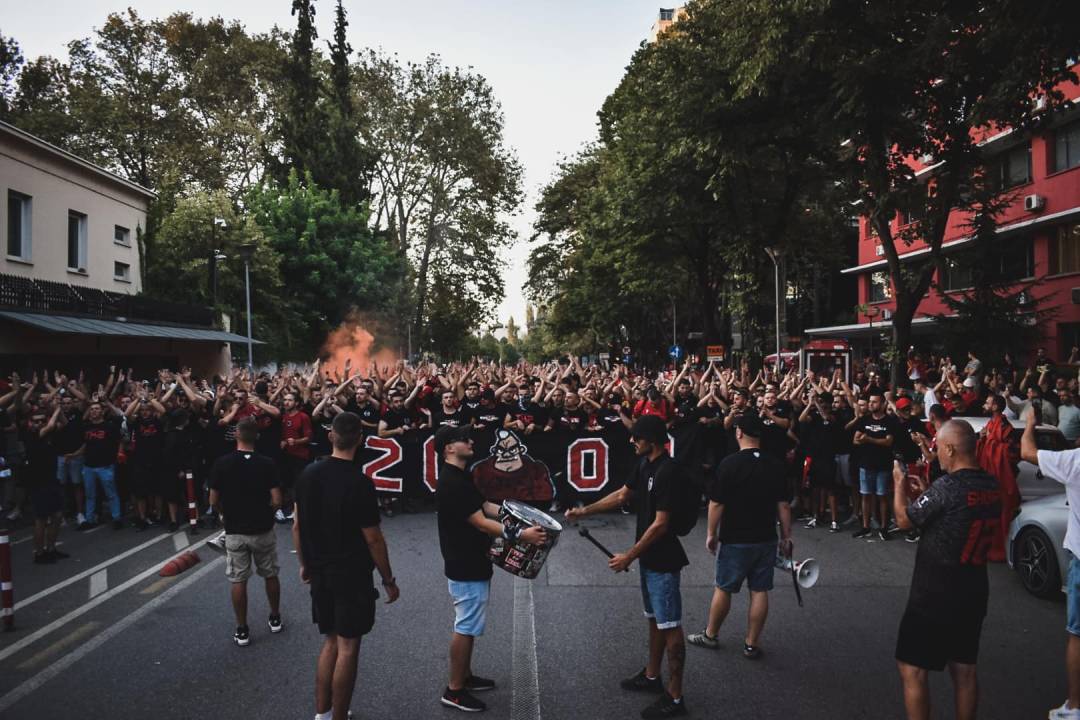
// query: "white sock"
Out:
[328,715]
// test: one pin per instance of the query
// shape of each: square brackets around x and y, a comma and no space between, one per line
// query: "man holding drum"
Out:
[661,559]
[465,531]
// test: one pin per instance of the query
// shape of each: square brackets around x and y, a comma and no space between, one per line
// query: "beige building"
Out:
[67,220]
[667,17]
[71,275]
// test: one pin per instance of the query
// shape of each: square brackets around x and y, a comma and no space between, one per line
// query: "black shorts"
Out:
[47,499]
[822,473]
[343,605]
[932,643]
[145,480]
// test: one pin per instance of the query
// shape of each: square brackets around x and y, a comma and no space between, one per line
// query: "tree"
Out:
[11,61]
[331,261]
[444,181]
[512,331]
[896,82]
[302,123]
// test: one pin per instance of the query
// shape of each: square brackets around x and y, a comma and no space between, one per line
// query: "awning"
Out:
[867,329]
[68,325]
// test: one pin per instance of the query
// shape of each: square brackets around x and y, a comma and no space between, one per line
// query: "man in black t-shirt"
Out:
[819,432]
[148,456]
[875,434]
[244,488]
[448,412]
[465,531]
[746,496]
[661,558]
[68,441]
[958,517]
[339,544]
[396,421]
[570,417]
[488,415]
[101,441]
[45,493]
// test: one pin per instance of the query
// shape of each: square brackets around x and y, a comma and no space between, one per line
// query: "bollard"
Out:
[193,508]
[7,592]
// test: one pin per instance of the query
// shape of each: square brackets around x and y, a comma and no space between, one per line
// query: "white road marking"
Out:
[180,541]
[87,573]
[99,583]
[85,608]
[525,704]
[28,538]
[33,683]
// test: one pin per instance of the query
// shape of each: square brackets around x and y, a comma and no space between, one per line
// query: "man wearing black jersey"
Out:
[148,438]
[570,416]
[958,517]
[488,415]
[820,436]
[366,408]
[448,413]
[396,421]
[471,403]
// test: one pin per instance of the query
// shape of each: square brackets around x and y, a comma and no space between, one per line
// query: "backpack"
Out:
[685,496]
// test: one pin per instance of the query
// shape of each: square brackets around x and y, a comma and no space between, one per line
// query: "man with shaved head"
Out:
[958,517]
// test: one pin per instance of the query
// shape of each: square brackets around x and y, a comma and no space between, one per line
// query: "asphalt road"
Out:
[133,645]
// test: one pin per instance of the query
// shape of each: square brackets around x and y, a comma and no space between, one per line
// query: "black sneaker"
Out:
[142,525]
[241,637]
[173,527]
[43,558]
[479,684]
[882,534]
[641,683]
[86,525]
[912,537]
[58,554]
[462,700]
[751,652]
[275,624]
[665,707]
[861,533]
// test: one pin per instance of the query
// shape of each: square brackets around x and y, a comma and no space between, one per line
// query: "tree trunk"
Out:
[422,279]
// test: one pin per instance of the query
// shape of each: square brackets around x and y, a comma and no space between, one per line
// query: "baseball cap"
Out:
[448,434]
[651,428]
[903,403]
[750,424]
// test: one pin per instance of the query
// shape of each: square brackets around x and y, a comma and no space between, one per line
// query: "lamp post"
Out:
[775,254]
[215,255]
[247,250]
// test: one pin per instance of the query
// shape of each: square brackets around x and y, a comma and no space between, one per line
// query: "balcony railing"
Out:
[21,293]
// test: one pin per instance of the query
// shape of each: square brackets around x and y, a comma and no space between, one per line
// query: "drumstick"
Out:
[585,534]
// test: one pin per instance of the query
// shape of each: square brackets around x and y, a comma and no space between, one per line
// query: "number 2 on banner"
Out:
[391,456]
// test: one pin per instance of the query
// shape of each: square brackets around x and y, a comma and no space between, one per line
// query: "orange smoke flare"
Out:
[352,341]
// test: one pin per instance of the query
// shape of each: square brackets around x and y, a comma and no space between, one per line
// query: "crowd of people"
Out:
[137,449]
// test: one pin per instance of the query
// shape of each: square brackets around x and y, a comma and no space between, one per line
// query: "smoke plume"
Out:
[353,341]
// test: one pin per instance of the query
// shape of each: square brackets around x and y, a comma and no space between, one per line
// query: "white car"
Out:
[1028,477]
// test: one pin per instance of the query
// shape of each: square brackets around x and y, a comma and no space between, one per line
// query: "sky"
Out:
[551,62]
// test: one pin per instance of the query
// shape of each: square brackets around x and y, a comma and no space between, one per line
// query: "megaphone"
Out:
[806,571]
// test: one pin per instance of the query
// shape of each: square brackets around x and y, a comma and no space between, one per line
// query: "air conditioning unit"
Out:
[879,250]
[1034,203]
[1040,104]
[1076,296]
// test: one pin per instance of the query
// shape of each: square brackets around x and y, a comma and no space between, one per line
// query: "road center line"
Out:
[65,642]
[525,704]
[33,683]
[85,608]
[99,582]
[87,573]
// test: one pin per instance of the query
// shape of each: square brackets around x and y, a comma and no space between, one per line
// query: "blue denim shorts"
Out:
[874,482]
[1072,604]
[753,562]
[661,597]
[470,605]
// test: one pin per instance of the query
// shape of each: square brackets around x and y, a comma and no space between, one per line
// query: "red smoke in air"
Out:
[352,341]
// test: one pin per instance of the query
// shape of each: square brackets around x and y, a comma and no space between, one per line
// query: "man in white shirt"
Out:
[1063,466]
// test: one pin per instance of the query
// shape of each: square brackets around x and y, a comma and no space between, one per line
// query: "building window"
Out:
[1067,147]
[667,13]
[1012,168]
[958,274]
[1017,259]
[121,235]
[18,226]
[879,288]
[76,245]
[1065,250]
[122,271]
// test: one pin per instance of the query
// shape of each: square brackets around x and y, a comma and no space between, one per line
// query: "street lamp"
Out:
[247,250]
[215,255]
[775,254]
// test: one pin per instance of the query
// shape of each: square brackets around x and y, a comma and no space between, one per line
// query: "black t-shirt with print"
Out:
[877,457]
[148,436]
[395,418]
[487,418]
[441,418]
[821,437]
[774,439]
[41,456]
[685,410]
[651,484]
[574,421]
[464,548]
[244,481]
[69,438]
[958,516]
[749,484]
[529,413]
[336,501]
[102,440]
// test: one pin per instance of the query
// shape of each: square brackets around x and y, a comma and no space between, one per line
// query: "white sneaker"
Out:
[280,516]
[1065,712]
[217,544]
[80,519]
[14,514]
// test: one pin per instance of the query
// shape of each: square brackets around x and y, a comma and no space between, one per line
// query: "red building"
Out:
[1041,169]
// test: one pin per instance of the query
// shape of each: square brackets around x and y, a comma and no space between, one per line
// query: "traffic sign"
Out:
[676,352]
[714,352]
[626,350]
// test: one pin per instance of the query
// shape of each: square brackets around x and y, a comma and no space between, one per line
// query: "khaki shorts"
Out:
[240,550]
